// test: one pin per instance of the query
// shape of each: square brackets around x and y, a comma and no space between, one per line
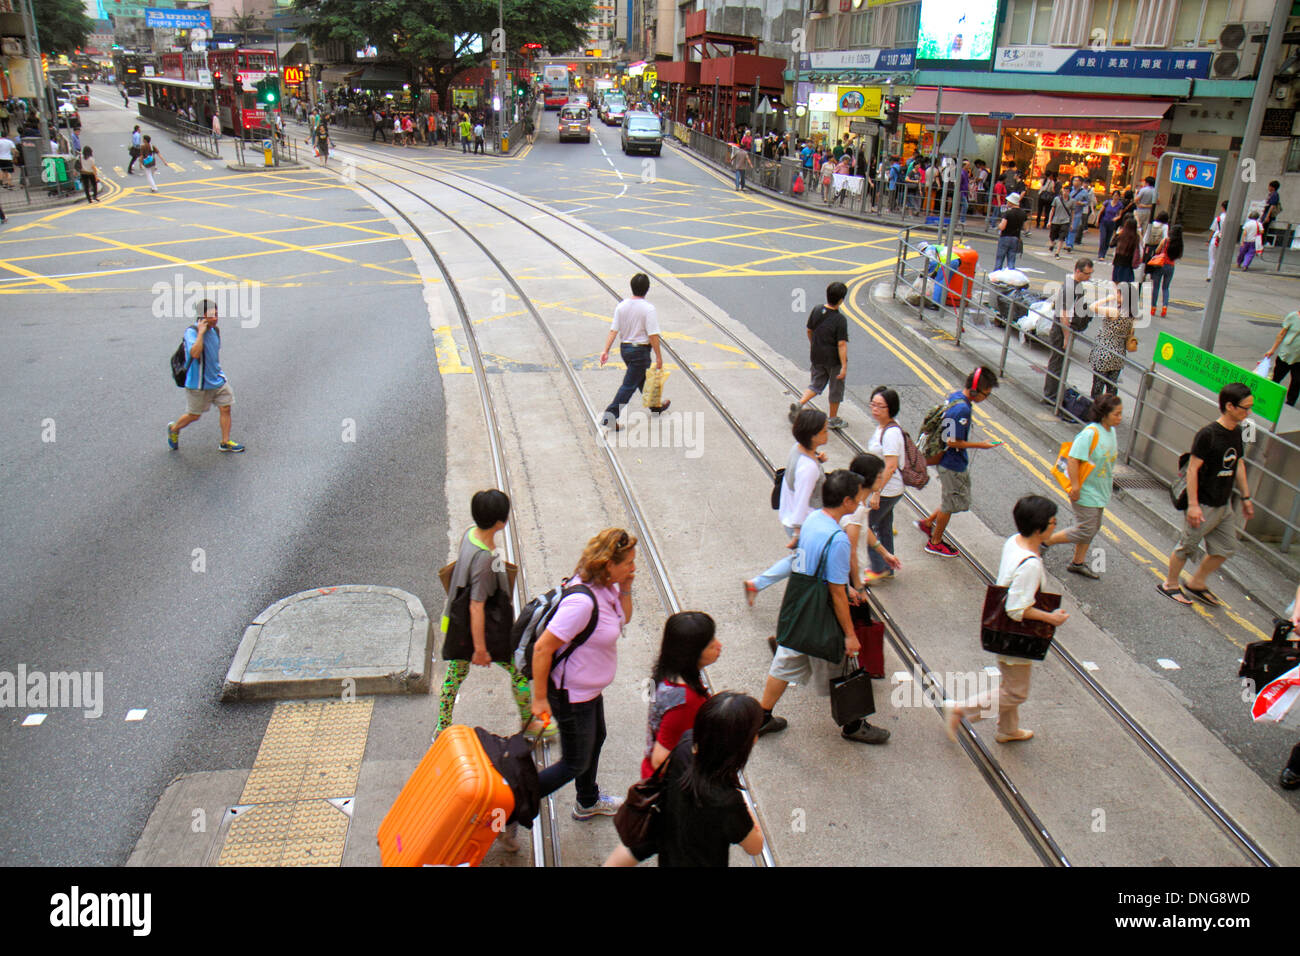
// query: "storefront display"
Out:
[1103,157]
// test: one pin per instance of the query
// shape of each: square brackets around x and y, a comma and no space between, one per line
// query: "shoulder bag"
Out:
[807,622]
[1001,634]
[1060,468]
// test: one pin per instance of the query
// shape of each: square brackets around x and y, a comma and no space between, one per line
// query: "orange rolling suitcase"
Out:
[451,809]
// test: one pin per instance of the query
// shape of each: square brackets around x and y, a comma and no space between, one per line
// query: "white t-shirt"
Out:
[1022,581]
[635,321]
[1250,230]
[6,148]
[891,443]
[796,505]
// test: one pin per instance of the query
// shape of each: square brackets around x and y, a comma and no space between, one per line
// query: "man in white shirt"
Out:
[1145,200]
[636,323]
[7,148]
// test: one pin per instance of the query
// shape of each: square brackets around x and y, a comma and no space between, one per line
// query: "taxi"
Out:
[575,122]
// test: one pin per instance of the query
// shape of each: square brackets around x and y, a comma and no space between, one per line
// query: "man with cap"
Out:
[1013,221]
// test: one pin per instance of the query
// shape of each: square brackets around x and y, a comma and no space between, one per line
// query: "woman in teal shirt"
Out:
[1287,349]
[1095,446]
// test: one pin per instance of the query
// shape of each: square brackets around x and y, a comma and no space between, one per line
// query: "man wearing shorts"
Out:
[828,338]
[1217,466]
[205,384]
[954,466]
[842,492]
[7,148]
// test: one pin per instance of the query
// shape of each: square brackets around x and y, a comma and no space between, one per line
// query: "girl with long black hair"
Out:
[689,645]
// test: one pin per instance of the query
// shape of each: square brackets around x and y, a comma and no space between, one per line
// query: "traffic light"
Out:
[268,92]
[889,121]
[216,79]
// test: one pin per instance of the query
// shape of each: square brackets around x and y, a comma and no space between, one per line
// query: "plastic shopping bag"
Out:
[652,393]
[1265,368]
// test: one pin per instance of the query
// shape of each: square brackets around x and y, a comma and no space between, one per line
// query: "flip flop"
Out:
[751,592]
[1204,595]
[1019,735]
[1174,594]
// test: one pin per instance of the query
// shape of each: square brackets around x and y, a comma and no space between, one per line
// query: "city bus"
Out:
[555,85]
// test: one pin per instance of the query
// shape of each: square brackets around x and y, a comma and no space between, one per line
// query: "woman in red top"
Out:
[689,646]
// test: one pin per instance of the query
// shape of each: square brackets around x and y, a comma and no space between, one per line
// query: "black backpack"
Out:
[181,362]
[536,615]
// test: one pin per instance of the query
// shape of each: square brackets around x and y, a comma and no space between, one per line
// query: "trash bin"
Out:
[958,276]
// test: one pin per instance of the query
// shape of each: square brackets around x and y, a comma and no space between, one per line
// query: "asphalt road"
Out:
[103,524]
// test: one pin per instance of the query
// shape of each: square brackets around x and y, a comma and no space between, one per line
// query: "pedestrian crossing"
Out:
[120,171]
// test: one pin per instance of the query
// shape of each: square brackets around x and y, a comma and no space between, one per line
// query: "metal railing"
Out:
[198,138]
[1161,414]
[250,150]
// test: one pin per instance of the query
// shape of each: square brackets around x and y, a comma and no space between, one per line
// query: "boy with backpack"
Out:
[947,428]
[205,384]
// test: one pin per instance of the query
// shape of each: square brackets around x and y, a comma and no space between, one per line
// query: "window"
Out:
[909,24]
[1018,22]
[860,30]
[1198,22]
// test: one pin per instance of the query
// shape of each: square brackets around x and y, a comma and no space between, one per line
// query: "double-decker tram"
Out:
[215,81]
[128,68]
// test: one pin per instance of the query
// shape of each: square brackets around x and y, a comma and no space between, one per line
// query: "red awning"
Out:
[1036,110]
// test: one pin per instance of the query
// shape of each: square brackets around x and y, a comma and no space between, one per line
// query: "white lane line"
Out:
[136,713]
[34,720]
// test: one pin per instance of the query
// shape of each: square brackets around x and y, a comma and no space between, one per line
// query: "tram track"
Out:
[1030,825]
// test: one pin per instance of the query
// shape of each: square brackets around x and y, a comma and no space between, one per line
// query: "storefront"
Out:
[1106,158]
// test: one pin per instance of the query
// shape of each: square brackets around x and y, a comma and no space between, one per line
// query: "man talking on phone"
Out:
[205,383]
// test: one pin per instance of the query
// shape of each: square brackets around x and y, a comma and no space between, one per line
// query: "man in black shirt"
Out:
[828,337]
[1217,466]
[1013,220]
[1071,306]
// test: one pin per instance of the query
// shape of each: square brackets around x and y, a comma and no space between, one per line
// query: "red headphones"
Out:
[975,382]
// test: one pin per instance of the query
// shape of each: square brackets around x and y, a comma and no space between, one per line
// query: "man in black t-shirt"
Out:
[1013,220]
[828,338]
[1217,466]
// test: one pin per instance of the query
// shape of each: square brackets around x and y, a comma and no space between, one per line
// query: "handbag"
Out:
[851,695]
[1003,635]
[637,820]
[652,393]
[807,622]
[1060,467]
[1131,343]
[498,619]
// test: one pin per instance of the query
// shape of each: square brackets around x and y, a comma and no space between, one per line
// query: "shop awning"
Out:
[1036,110]
[379,78]
[333,75]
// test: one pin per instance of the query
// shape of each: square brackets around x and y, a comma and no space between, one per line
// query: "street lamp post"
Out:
[34,51]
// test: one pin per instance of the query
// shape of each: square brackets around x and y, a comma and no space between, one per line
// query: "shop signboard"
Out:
[821,102]
[881,61]
[866,127]
[858,100]
[1212,372]
[1120,62]
[161,19]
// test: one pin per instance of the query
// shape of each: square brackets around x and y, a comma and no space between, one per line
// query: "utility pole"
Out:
[38,80]
[1237,197]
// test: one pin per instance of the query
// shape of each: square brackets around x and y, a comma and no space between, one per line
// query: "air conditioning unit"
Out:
[11,47]
[1236,54]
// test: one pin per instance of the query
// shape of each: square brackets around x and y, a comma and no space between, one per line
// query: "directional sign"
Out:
[1199,171]
[1212,372]
[1002,116]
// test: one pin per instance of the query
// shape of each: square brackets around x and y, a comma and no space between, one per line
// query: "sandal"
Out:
[1204,595]
[1174,594]
[751,592]
[1021,734]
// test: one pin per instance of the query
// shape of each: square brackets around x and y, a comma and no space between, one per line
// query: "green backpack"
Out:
[933,443]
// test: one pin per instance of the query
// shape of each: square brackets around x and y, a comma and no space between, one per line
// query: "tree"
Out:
[434,39]
[62,25]
[244,24]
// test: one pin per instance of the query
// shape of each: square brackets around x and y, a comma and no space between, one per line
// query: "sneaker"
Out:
[1084,570]
[875,577]
[605,806]
[925,527]
[794,410]
[866,734]
[231,446]
[772,725]
[549,732]
[662,408]
[173,436]
[942,549]
[835,422]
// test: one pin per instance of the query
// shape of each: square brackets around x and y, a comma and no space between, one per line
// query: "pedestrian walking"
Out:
[149,157]
[7,148]
[1091,470]
[1012,222]
[1046,194]
[477,620]
[1145,204]
[126,100]
[377,119]
[828,353]
[1059,229]
[137,140]
[479,146]
[800,491]
[1161,268]
[823,557]
[466,133]
[887,444]
[572,691]
[1021,573]
[702,812]
[205,382]
[1216,467]
[216,126]
[1285,353]
[322,142]
[89,174]
[689,645]
[1081,202]
[954,466]
[1252,241]
[530,127]
[1107,355]
[871,469]
[637,324]
[1108,223]
[1289,779]
[1216,238]
[740,163]
[1072,315]
[1128,250]
[1157,232]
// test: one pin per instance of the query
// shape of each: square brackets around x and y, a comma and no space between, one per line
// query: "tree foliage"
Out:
[62,25]
[422,34]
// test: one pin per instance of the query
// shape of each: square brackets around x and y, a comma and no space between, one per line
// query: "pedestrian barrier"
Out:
[198,138]
[1161,413]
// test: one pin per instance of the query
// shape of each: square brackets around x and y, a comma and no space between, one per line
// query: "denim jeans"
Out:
[1007,246]
[1162,277]
[780,570]
[582,734]
[1107,230]
[881,522]
[740,178]
[637,360]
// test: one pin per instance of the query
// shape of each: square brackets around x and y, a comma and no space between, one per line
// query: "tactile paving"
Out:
[311,752]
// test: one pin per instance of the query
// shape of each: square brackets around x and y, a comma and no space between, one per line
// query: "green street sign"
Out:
[1208,370]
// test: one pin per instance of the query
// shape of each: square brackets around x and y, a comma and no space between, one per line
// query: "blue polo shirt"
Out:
[956,425]
[210,365]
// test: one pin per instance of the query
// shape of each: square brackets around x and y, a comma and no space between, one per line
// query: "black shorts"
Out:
[1060,230]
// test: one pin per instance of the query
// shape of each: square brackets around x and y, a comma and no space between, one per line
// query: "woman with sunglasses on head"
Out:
[568,683]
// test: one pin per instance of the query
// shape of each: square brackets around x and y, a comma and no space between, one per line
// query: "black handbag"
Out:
[637,820]
[1266,661]
[851,695]
[1002,634]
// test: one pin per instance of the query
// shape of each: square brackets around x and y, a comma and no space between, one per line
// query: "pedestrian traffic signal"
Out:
[889,119]
[268,91]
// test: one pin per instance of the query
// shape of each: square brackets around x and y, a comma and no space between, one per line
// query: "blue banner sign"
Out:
[177,19]
[1126,62]
[1199,172]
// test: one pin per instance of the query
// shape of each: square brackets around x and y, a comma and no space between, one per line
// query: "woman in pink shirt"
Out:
[570,673]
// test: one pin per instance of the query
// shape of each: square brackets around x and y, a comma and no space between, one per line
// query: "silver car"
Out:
[642,133]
